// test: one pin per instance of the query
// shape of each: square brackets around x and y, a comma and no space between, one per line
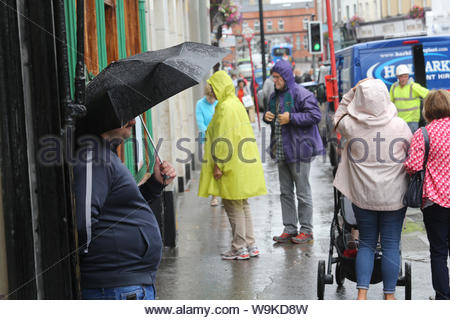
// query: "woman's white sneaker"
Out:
[253,251]
[241,254]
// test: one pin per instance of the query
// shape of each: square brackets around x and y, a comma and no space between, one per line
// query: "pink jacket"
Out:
[371,172]
[437,175]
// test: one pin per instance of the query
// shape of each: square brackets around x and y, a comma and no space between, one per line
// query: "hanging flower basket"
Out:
[355,21]
[231,12]
[416,12]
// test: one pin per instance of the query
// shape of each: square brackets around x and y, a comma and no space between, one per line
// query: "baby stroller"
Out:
[346,248]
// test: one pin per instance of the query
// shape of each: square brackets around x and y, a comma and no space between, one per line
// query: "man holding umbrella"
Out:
[119,237]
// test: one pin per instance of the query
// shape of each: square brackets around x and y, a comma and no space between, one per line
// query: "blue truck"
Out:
[379,59]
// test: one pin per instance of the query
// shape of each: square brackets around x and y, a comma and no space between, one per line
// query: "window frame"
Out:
[256,26]
[281,24]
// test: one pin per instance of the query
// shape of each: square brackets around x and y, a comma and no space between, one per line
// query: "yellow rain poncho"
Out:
[231,144]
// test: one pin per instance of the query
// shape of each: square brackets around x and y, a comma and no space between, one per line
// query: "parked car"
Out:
[245,67]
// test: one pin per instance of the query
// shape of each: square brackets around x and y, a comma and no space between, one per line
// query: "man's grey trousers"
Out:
[290,175]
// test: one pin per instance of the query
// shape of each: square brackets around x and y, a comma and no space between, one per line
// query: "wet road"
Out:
[194,269]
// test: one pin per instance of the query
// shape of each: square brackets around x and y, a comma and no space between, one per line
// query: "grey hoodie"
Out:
[371,172]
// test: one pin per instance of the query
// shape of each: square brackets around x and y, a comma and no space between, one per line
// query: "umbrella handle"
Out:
[165,177]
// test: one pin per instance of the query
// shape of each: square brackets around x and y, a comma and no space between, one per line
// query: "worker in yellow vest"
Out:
[406,95]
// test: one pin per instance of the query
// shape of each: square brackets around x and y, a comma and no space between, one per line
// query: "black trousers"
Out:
[437,224]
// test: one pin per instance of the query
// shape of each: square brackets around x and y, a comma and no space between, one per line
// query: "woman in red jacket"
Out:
[242,89]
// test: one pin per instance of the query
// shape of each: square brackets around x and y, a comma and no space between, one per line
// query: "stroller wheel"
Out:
[321,279]
[407,281]
[340,274]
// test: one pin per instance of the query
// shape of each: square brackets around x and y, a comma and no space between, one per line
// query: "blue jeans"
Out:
[413,126]
[120,293]
[387,224]
[437,224]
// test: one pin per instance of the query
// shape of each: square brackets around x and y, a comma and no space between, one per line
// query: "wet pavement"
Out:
[195,270]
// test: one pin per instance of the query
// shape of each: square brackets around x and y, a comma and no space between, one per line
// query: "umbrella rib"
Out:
[168,59]
[132,89]
[126,85]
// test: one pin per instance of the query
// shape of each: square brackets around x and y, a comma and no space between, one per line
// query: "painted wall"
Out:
[368,10]
[114,29]
[349,8]
[392,8]
[170,22]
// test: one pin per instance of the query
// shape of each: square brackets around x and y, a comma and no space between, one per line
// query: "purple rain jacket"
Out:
[301,138]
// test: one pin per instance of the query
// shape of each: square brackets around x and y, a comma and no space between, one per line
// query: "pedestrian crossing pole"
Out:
[332,56]
[248,35]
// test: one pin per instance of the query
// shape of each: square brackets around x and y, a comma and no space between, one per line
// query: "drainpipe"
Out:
[78,109]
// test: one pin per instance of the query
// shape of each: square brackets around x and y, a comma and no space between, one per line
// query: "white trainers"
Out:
[254,251]
[214,202]
[241,254]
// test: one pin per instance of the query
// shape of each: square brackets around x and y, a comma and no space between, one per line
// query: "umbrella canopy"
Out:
[128,87]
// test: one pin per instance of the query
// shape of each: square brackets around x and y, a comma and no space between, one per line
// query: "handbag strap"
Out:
[339,121]
[426,139]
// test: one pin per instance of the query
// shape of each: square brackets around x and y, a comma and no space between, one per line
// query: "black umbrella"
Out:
[128,87]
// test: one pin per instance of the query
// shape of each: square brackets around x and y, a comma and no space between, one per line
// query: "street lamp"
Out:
[248,35]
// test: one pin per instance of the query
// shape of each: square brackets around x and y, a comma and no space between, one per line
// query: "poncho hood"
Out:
[371,104]
[222,85]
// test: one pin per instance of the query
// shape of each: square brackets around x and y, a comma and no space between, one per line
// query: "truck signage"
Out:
[381,64]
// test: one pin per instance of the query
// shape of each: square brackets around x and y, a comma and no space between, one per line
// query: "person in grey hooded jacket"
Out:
[119,238]
[371,175]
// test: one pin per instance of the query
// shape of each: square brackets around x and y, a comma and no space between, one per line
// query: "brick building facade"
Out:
[282,24]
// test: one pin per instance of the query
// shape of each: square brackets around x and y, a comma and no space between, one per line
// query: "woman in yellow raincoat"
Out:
[232,167]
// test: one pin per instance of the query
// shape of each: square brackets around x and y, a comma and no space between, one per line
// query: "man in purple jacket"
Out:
[294,114]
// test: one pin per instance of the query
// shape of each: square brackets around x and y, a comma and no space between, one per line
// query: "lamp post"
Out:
[263,43]
[248,35]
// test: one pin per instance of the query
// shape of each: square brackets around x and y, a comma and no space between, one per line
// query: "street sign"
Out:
[248,33]
[315,37]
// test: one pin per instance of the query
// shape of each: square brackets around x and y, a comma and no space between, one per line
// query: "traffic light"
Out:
[315,37]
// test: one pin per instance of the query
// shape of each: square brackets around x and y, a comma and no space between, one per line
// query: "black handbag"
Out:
[413,195]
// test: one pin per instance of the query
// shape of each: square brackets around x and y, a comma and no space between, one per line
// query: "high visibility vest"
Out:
[407,100]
